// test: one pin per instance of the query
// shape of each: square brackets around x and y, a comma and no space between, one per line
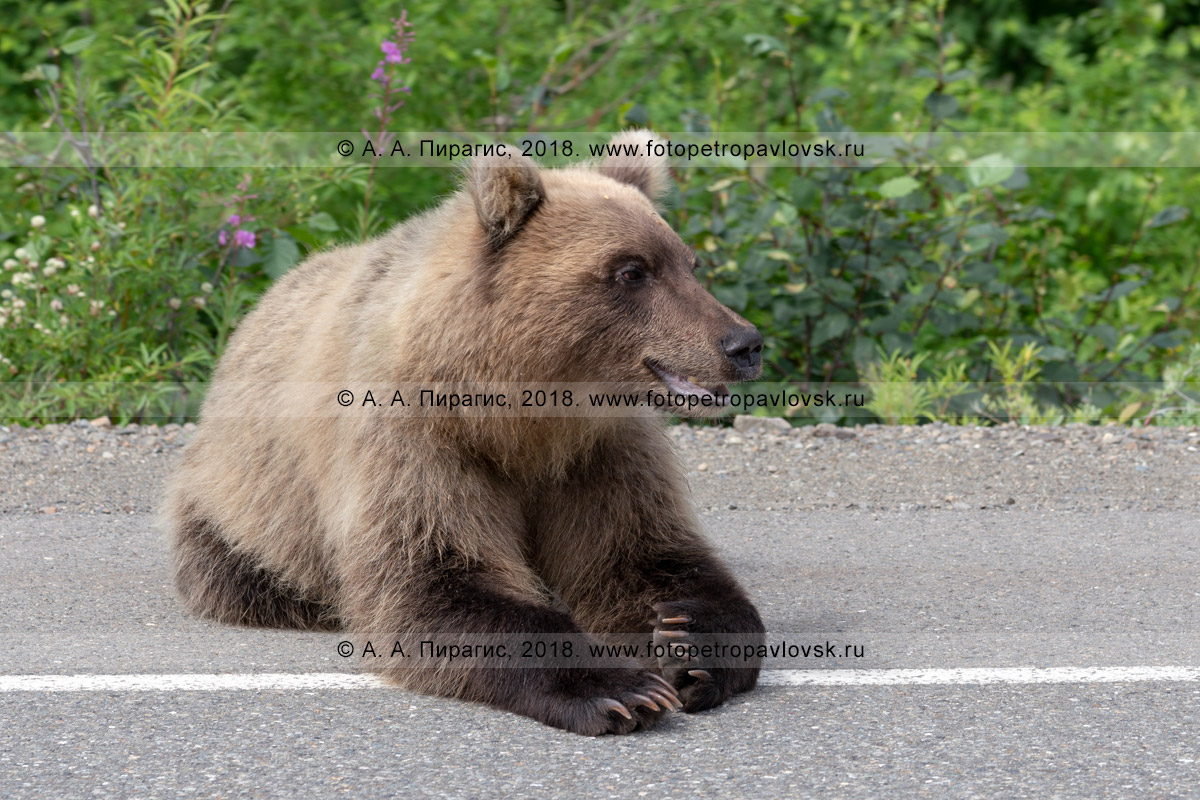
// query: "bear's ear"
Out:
[506,191]
[630,162]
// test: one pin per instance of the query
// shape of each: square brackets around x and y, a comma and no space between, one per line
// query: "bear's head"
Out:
[592,285]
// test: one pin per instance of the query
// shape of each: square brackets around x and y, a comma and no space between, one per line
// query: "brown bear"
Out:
[289,511]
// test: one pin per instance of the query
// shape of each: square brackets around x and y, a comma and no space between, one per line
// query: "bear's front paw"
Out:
[599,701]
[704,667]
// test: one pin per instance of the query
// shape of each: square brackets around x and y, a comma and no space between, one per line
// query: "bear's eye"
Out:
[632,274]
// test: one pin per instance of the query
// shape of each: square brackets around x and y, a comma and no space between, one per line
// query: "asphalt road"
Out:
[936,589]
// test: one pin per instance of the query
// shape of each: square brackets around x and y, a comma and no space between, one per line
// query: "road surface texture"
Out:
[1021,609]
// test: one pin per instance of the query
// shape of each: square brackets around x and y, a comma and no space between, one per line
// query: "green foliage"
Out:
[834,263]
[1177,400]
[1084,278]
[117,277]
[1017,370]
[901,395]
[897,396]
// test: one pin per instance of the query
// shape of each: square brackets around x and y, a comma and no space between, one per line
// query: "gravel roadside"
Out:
[94,467]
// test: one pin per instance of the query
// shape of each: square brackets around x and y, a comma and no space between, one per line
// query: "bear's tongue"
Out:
[680,385]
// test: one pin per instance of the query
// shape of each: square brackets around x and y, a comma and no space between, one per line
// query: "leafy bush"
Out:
[944,270]
[838,263]
[125,285]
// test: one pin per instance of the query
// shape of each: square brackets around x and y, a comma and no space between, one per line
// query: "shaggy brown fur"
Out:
[286,513]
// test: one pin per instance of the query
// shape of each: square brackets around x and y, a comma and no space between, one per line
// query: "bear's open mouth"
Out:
[684,386]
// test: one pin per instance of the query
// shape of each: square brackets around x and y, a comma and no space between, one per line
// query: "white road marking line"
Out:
[188,682]
[279,681]
[974,675]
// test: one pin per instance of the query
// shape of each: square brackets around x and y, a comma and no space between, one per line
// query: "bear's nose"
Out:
[744,347]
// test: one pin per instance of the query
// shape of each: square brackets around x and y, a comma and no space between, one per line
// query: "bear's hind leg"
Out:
[221,584]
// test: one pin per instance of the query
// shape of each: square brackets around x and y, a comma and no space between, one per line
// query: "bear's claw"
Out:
[623,701]
[666,685]
[617,706]
[646,701]
[701,683]
[670,701]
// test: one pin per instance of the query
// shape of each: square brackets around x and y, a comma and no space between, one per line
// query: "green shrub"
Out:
[121,285]
[950,268]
